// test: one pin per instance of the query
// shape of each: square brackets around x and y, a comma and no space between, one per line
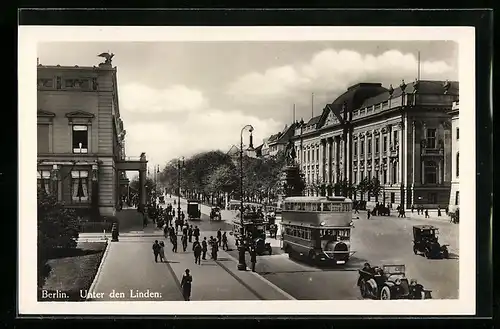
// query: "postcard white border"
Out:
[29,36]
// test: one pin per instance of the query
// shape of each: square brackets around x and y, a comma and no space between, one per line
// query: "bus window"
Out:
[295,206]
[308,207]
[302,206]
[318,206]
[326,206]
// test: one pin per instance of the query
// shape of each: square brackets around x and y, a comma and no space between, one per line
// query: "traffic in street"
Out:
[380,240]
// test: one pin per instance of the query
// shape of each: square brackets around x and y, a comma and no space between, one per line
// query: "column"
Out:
[142,186]
[413,162]
[423,172]
[321,162]
[327,162]
[56,181]
[400,156]
[440,173]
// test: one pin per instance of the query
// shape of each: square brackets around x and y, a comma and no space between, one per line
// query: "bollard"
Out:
[114,233]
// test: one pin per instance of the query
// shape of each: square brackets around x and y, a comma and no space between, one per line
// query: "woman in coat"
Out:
[186,281]
[162,251]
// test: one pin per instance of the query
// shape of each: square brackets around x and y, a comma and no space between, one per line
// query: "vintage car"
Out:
[425,241]
[193,210]
[389,282]
[215,214]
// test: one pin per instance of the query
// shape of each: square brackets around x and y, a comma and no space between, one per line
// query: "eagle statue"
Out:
[107,56]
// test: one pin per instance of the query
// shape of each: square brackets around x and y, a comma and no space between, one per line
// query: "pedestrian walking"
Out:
[368,213]
[173,212]
[162,251]
[190,233]
[219,237]
[197,249]
[184,240]
[183,217]
[196,233]
[185,230]
[186,282]
[439,211]
[166,231]
[253,257]
[426,213]
[215,249]
[156,250]
[402,212]
[204,248]
[412,208]
[224,241]
[174,243]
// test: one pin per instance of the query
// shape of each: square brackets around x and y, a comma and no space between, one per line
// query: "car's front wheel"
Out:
[385,293]
[362,288]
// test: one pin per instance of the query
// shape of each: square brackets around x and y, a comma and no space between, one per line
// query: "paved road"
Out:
[380,240]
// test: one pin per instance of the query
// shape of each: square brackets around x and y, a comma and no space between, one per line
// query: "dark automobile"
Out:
[425,241]
[215,214]
[389,282]
[193,210]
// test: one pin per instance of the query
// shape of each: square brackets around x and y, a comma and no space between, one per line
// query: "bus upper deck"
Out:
[317,211]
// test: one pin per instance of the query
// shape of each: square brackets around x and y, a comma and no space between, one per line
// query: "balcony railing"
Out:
[130,158]
[432,151]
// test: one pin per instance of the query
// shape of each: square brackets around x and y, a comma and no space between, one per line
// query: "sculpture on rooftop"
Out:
[107,56]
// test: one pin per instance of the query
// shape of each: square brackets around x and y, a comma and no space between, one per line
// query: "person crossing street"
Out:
[224,241]
[197,252]
[204,248]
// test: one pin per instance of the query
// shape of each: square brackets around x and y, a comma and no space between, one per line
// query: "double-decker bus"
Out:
[318,228]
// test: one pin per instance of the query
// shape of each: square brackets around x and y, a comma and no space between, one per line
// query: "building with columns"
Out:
[401,136]
[455,159]
[81,138]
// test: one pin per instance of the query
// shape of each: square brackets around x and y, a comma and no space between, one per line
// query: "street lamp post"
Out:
[180,164]
[242,266]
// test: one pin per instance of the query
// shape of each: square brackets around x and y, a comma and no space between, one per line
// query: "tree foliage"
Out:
[58,227]
[213,172]
[150,186]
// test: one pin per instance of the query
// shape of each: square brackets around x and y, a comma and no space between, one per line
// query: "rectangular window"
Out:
[317,154]
[355,148]
[458,133]
[43,138]
[431,138]
[393,197]
[395,138]
[457,198]
[362,148]
[370,146]
[80,139]
[369,174]
[458,163]
[385,144]
[377,145]
[385,176]
[79,186]
[43,180]
[354,178]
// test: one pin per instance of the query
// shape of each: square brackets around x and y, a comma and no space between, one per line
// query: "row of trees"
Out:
[210,175]
[366,186]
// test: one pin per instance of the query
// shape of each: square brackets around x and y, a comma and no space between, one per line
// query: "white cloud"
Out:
[332,71]
[139,98]
[202,131]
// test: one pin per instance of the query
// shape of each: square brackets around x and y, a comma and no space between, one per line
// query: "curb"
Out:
[99,270]
[272,285]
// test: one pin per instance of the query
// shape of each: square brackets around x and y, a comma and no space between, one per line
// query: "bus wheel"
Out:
[312,258]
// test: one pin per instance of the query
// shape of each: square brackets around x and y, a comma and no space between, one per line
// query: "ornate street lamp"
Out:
[242,266]
[180,165]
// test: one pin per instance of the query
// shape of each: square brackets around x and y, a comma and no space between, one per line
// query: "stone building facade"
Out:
[455,160]
[80,137]
[401,136]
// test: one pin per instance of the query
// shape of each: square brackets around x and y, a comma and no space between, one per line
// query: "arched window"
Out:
[430,172]
[458,162]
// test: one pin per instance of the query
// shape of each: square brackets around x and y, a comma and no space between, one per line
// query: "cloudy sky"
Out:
[177,98]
